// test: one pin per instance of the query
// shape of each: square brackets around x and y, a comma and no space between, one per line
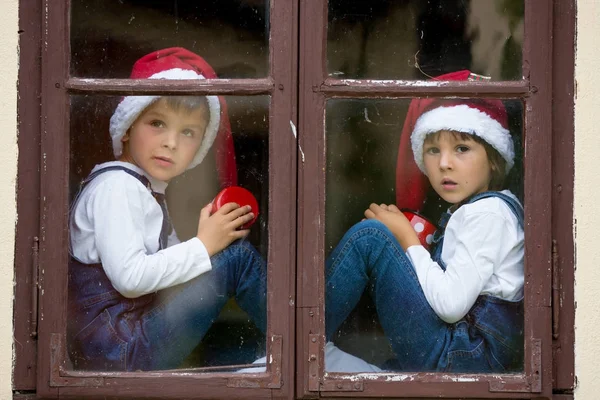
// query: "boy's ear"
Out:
[125,137]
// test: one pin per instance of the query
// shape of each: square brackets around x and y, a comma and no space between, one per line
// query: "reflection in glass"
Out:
[391,291]
[415,39]
[139,299]
[108,36]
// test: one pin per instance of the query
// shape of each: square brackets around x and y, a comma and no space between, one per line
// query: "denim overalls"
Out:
[109,332]
[488,339]
[499,323]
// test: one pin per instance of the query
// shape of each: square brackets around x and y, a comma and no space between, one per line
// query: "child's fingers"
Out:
[205,212]
[242,219]
[238,212]
[228,208]
[369,214]
[375,209]
[242,233]
[393,208]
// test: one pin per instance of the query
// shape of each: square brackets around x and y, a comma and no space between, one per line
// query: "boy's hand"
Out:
[219,230]
[396,222]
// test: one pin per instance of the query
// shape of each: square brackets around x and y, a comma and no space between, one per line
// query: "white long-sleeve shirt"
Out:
[117,222]
[483,252]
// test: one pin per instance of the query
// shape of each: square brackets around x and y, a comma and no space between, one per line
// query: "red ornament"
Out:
[422,226]
[238,195]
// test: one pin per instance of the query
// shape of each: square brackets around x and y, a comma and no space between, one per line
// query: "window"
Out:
[317,94]
[360,80]
[259,92]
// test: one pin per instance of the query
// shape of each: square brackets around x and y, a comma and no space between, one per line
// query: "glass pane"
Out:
[146,294]
[108,36]
[403,293]
[416,39]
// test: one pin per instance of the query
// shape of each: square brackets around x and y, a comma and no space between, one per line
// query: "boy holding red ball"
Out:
[140,299]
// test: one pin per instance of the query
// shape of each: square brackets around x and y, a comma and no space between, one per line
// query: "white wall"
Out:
[587,208]
[8,174]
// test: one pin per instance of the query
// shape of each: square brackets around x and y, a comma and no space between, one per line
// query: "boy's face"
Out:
[163,141]
[457,168]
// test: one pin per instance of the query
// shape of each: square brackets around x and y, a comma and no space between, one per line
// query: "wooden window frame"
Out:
[53,379]
[544,171]
[41,161]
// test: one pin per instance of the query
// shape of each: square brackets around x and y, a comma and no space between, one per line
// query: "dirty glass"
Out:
[378,317]
[418,39]
[214,321]
[108,36]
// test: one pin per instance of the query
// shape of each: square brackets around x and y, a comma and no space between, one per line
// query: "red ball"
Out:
[422,226]
[238,195]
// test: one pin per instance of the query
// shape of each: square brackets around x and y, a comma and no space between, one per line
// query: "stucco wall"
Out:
[587,210]
[8,174]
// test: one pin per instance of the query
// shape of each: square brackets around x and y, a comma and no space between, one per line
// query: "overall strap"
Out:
[94,174]
[512,204]
[139,177]
[438,237]
[167,227]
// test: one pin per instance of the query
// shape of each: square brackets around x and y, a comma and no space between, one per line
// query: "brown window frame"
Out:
[54,379]
[542,207]
[296,97]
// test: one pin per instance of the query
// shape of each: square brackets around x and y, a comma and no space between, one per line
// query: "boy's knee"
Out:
[370,227]
[240,248]
[242,245]
[371,224]
[374,229]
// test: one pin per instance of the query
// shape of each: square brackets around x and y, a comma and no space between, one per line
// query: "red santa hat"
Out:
[485,118]
[178,63]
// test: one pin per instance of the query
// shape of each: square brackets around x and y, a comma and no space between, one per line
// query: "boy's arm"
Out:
[173,239]
[120,224]
[396,222]
[481,242]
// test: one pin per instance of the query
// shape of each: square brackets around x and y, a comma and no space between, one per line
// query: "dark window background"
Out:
[382,39]
[108,36]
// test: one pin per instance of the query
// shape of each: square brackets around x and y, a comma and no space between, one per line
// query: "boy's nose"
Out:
[445,160]
[170,139]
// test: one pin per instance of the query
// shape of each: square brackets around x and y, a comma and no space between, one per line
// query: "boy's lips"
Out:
[163,160]
[448,183]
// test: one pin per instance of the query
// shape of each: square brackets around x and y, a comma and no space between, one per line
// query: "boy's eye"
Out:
[157,123]
[462,148]
[432,150]
[188,133]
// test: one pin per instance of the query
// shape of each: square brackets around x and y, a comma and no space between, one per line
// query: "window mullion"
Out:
[163,87]
[563,66]
[53,256]
[390,88]
[311,201]
[537,67]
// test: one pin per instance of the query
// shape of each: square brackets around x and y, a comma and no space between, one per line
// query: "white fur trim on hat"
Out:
[462,118]
[132,106]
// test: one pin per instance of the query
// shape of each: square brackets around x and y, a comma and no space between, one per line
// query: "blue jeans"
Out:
[488,339]
[158,331]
